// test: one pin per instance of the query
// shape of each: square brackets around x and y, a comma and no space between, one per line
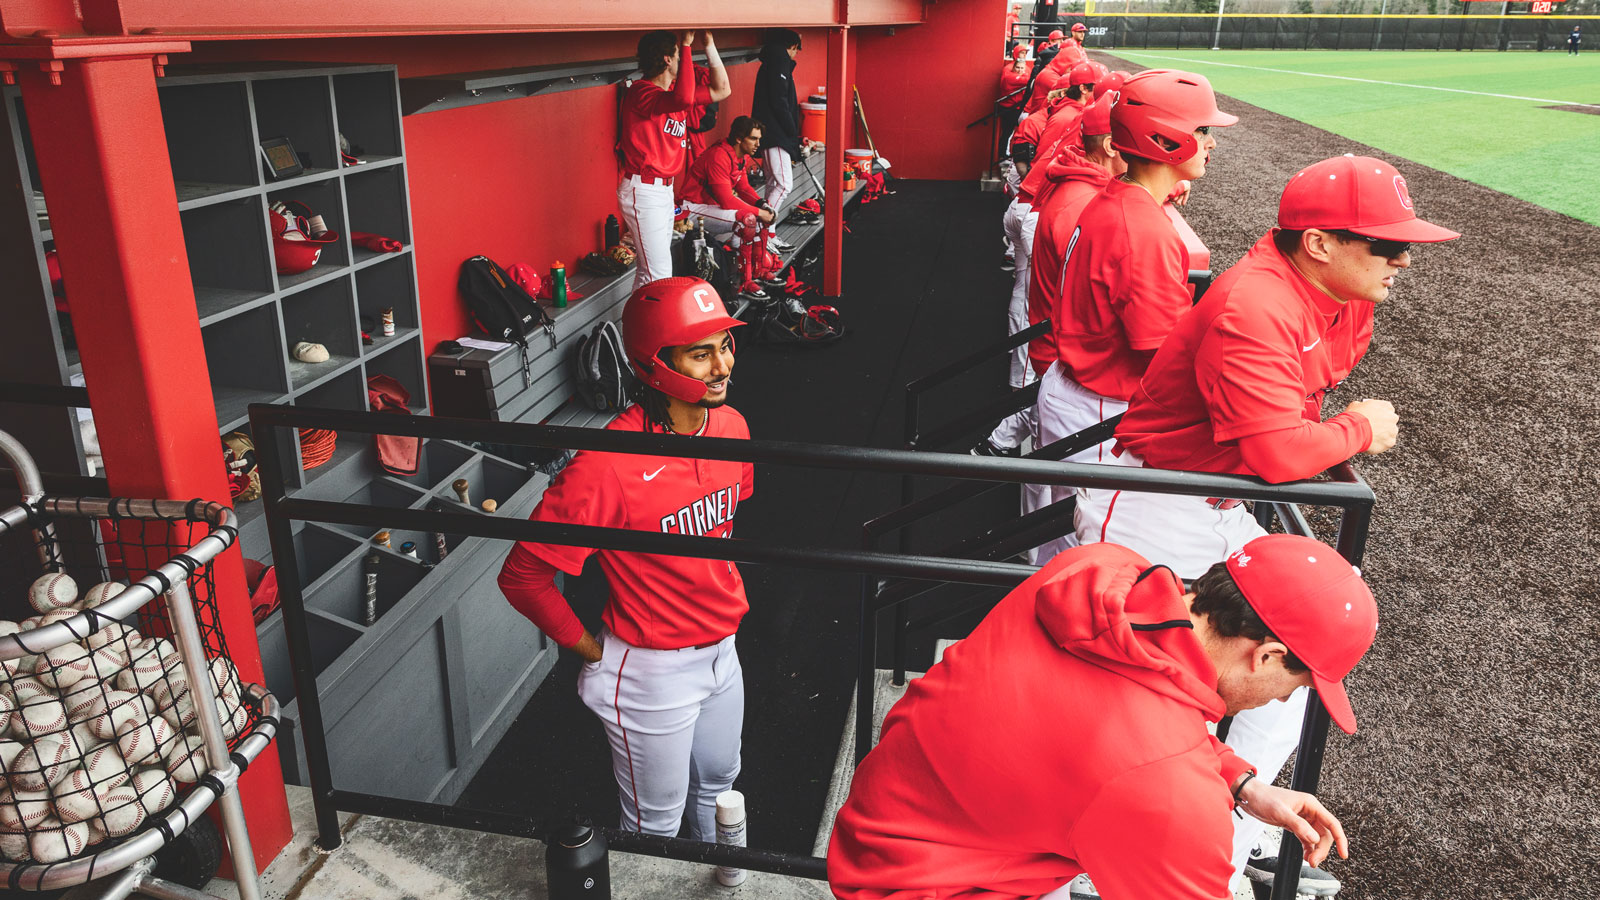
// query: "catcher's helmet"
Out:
[671,312]
[1161,107]
[1087,73]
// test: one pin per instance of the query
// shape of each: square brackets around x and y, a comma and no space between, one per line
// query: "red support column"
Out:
[840,110]
[103,165]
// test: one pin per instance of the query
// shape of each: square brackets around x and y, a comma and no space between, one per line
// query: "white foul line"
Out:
[1421,87]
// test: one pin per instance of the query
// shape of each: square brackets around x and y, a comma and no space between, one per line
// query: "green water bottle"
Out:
[558,284]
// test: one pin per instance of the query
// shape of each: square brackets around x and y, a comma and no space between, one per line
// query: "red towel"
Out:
[376,242]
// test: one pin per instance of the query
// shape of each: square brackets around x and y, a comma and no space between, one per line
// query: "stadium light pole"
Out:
[1216,37]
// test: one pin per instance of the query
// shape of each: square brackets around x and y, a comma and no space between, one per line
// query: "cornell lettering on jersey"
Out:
[675,127]
[704,515]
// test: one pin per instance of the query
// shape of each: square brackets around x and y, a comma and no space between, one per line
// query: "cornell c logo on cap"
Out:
[1400,188]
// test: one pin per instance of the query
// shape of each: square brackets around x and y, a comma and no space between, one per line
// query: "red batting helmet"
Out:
[671,312]
[1087,73]
[1163,107]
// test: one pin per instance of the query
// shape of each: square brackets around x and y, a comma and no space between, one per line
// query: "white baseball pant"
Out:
[719,221]
[673,719]
[1188,535]
[1020,221]
[646,205]
[1064,409]
[1011,432]
[780,178]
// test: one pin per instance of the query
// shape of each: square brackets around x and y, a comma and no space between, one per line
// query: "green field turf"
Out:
[1516,146]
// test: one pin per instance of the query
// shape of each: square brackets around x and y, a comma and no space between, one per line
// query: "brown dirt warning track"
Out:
[1476,772]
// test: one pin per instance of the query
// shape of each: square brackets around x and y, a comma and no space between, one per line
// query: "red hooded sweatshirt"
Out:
[1072,181]
[1067,734]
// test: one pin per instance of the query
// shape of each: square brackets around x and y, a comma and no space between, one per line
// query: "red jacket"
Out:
[1073,181]
[719,177]
[1066,734]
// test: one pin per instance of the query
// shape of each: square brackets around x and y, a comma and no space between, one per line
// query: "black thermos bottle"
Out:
[575,863]
[613,233]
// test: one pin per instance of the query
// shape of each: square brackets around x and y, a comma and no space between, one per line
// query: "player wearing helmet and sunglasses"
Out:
[663,675]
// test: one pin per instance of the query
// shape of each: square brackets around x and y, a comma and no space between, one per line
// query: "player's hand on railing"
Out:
[1301,814]
[1385,423]
[709,43]
[688,39]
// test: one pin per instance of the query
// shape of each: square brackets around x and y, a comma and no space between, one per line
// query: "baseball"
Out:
[39,717]
[106,768]
[225,677]
[21,810]
[46,762]
[63,666]
[8,752]
[146,741]
[56,615]
[56,841]
[115,712]
[105,662]
[77,797]
[123,812]
[53,591]
[14,847]
[177,710]
[26,689]
[100,593]
[6,708]
[156,791]
[186,763]
[97,831]
[109,635]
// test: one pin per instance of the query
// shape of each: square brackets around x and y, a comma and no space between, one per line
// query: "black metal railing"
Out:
[268,422]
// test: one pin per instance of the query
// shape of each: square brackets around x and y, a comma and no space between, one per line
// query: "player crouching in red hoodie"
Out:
[1068,733]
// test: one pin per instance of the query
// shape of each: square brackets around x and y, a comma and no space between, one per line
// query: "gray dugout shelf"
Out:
[415,702]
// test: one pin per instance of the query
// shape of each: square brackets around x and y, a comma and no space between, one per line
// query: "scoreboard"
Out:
[1541,6]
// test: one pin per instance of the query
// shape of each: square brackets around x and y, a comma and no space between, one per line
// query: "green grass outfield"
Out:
[1510,142]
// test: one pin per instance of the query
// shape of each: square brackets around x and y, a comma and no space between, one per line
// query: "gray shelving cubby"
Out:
[209,139]
[323,314]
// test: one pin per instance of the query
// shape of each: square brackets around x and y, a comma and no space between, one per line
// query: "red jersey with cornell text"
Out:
[1077,181]
[1257,355]
[655,123]
[657,602]
[1125,285]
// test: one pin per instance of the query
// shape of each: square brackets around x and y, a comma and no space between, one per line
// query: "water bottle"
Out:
[730,832]
[575,863]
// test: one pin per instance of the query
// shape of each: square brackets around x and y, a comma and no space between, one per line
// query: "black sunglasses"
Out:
[1379,247]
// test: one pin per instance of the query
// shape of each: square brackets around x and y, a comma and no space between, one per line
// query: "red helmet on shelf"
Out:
[297,241]
[671,312]
[1160,107]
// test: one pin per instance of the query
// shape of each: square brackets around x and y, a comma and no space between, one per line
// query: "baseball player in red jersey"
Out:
[663,675]
[1239,384]
[717,187]
[1049,79]
[654,134]
[1125,270]
[1013,77]
[1068,732]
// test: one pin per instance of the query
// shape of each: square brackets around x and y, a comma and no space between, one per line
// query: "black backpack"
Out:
[603,373]
[502,309]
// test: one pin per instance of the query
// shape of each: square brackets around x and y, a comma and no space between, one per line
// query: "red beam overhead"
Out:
[307,18]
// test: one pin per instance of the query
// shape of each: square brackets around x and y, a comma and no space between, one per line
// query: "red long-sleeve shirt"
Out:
[655,124]
[719,177]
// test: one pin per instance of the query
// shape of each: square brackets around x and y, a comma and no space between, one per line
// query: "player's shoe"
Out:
[1313,881]
[986,447]
[1081,888]
[778,244]
[753,291]
[1009,264]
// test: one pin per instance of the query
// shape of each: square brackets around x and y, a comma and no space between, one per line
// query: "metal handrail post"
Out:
[313,732]
[867,667]
[902,613]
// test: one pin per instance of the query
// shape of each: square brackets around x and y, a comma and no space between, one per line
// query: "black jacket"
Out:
[775,104]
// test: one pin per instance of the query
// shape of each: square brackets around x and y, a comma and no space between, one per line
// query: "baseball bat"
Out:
[489,506]
[369,609]
[440,545]
[462,494]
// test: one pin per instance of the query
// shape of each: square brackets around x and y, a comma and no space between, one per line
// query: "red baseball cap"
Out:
[1056,35]
[1018,51]
[1358,194]
[1087,73]
[1097,118]
[1316,603]
[1079,26]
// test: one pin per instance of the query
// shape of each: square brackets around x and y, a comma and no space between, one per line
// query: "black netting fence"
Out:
[1201,32]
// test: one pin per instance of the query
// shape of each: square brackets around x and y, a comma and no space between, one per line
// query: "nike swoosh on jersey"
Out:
[650,475]
[1307,348]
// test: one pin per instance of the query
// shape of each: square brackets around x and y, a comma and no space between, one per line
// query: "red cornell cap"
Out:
[1315,603]
[1018,51]
[1079,26]
[1056,35]
[1358,194]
